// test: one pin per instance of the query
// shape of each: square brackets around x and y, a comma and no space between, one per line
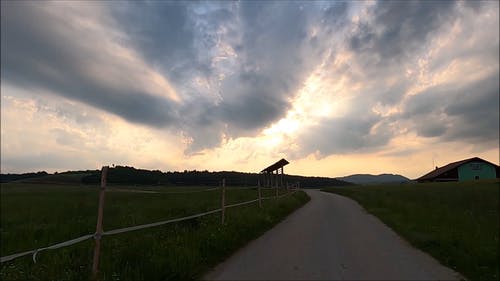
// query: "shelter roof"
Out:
[275,166]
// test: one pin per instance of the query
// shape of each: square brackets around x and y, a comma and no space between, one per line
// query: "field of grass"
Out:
[457,223]
[34,215]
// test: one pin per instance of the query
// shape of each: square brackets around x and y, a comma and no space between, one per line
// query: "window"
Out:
[475,166]
[476,177]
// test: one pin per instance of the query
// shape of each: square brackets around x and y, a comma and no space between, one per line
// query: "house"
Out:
[469,169]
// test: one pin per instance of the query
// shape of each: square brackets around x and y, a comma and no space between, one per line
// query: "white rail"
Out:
[126,229]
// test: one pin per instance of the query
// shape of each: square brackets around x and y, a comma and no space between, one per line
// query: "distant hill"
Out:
[374,179]
[15,177]
[124,175]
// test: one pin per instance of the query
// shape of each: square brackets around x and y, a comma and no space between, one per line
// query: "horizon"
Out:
[336,88]
[209,171]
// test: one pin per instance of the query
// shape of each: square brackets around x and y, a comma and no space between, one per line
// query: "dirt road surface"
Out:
[330,238]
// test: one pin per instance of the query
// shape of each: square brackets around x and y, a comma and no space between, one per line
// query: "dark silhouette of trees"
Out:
[124,175]
[130,175]
[14,177]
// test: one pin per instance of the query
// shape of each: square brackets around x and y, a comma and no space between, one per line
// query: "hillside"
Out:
[374,179]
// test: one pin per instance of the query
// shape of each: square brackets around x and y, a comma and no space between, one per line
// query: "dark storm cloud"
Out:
[451,112]
[161,31]
[274,56]
[40,50]
[273,64]
[431,127]
[52,51]
[387,43]
[275,51]
[168,36]
[404,25]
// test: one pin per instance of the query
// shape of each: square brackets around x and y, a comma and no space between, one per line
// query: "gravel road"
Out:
[330,238]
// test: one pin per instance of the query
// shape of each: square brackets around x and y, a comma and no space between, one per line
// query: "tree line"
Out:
[126,175]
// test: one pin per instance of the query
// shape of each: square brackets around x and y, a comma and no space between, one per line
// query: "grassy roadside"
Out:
[457,223]
[35,216]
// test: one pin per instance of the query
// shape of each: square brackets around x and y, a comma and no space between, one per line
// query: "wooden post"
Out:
[276,184]
[278,177]
[282,172]
[223,200]
[98,229]
[260,195]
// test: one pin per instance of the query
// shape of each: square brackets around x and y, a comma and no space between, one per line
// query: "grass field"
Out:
[457,223]
[35,216]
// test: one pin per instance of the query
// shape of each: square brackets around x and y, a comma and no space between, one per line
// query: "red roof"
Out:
[451,166]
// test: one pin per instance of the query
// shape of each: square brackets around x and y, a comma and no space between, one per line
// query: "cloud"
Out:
[69,51]
[213,72]
[271,55]
[348,134]
[203,69]
[395,30]
[72,135]
[410,67]
[465,113]
[164,34]
[241,40]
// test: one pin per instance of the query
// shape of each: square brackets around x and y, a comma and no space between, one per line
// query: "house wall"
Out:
[470,170]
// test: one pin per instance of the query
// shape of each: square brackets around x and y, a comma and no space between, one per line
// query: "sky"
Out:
[336,88]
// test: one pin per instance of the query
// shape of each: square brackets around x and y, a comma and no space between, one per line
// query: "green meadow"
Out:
[457,223]
[39,215]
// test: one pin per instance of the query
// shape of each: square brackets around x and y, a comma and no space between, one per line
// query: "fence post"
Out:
[98,229]
[223,200]
[260,196]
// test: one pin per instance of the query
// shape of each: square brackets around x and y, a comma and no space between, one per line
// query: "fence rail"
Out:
[97,236]
[52,247]
[142,226]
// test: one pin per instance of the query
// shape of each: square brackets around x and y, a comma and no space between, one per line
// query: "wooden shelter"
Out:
[273,175]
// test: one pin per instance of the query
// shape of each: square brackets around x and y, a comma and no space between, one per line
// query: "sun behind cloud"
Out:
[337,88]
